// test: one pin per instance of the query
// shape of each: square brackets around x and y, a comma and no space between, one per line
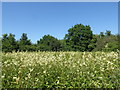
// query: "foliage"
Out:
[108,33]
[80,38]
[24,43]
[64,46]
[49,43]
[102,34]
[60,70]
[9,43]
[107,43]
[111,46]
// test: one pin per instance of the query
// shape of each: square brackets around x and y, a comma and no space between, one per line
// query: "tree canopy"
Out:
[49,43]
[9,43]
[24,43]
[78,38]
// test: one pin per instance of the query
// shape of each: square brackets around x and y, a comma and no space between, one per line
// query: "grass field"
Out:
[60,70]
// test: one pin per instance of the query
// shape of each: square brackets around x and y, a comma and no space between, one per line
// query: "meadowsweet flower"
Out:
[2,76]
[14,78]
[66,64]
[44,71]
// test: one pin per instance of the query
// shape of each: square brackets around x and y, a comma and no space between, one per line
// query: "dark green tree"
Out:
[9,43]
[64,46]
[108,33]
[24,40]
[80,38]
[102,34]
[24,43]
[49,43]
[5,42]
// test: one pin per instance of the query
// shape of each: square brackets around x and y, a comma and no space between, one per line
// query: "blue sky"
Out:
[55,18]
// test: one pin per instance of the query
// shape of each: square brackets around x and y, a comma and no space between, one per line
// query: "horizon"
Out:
[55,18]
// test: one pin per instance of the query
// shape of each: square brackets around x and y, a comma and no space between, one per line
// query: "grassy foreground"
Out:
[60,70]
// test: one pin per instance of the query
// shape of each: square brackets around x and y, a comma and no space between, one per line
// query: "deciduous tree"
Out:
[80,38]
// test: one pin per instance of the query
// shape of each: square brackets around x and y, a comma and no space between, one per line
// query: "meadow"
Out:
[60,70]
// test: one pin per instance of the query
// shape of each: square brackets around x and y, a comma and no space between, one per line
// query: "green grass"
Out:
[60,70]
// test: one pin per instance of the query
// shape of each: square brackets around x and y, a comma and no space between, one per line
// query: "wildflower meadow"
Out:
[60,70]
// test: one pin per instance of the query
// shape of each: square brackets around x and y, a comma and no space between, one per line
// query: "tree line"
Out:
[78,38]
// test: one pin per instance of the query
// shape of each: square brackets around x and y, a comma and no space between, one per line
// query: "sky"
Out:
[60,0]
[55,18]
